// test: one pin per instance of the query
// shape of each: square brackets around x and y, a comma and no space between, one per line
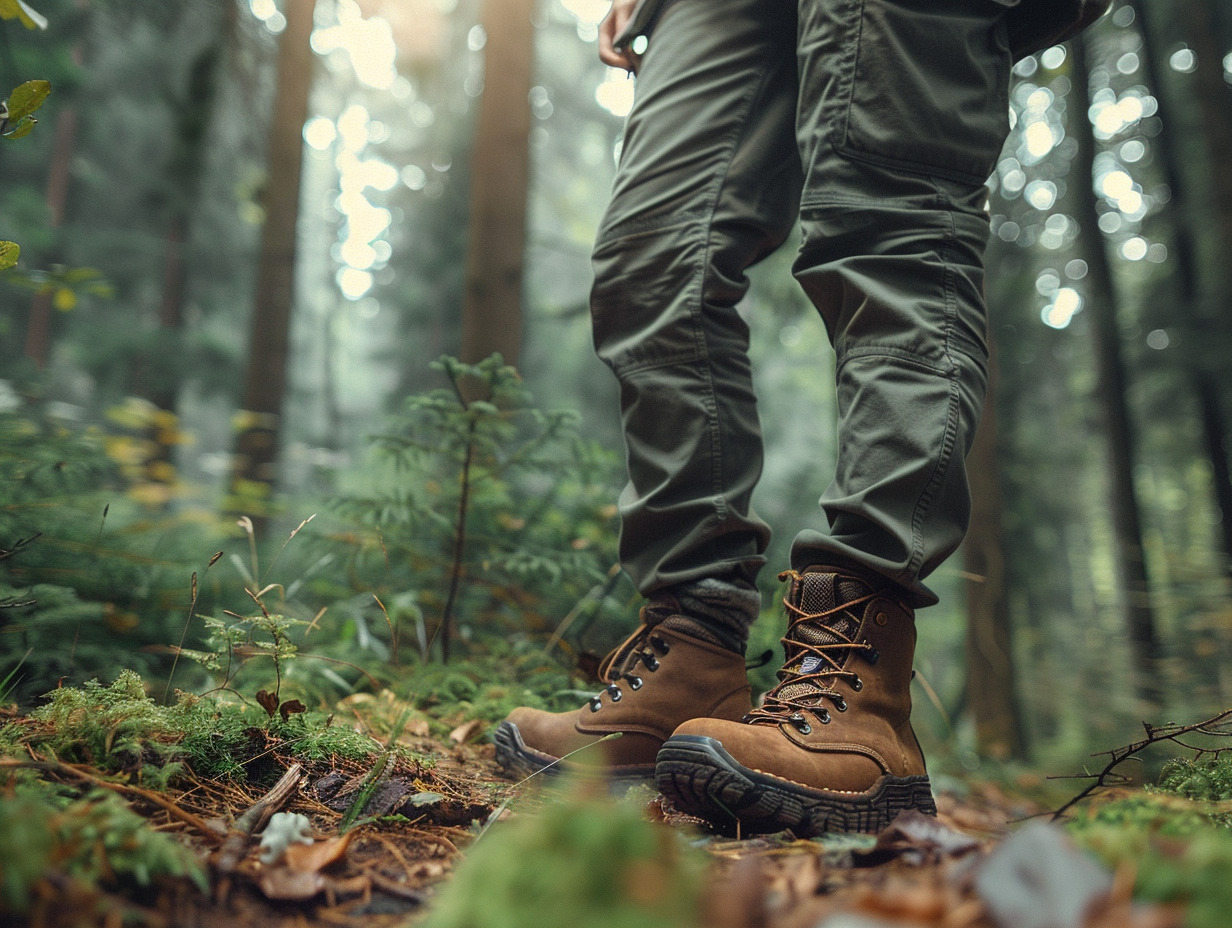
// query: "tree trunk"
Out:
[1201,290]
[1101,300]
[991,691]
[500,172]
[1213,101]
[38,328]
[159,379]
[255,465]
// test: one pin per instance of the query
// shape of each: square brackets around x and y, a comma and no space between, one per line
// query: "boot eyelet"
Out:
[839,703]
[635,682]
[659,644]
[595,703]
[651,662]
[614,691]
[801,724]
[872,655]
[857,684]
[824,717]
[882,619]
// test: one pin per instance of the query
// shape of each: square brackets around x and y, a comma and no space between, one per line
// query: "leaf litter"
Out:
[417,815]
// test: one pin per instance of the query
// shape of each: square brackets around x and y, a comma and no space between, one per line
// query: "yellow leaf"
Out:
[64,299]
[22,11]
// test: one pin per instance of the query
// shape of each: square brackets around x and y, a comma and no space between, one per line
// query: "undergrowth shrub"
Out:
[478,518]
[88,572]
[60,852]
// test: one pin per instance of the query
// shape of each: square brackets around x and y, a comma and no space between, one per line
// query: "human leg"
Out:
[902,113]
[708,184]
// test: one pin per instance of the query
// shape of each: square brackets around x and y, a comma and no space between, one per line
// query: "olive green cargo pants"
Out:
[874,123]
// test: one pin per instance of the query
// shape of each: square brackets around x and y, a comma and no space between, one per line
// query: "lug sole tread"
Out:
[700,778]
[519,761]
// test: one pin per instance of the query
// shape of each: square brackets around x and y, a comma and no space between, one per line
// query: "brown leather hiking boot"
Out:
[832,748]
[659,677]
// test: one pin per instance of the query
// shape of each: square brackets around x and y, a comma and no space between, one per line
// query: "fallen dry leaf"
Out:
[289,885]
[466,731]
[311,858]
[916,838]
[417,728]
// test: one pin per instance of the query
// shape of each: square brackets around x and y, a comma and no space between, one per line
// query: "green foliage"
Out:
[88,568]
[488,510]
[489,685]
[118,728]
[93,841]
[231,643]
[1178,855]
[65,285]
[16,119]
[583,862]
[1208,778]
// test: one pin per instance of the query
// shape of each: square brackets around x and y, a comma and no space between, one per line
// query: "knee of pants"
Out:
[899,277]
[661,298]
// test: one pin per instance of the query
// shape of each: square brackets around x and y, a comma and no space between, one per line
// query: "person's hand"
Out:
[612,26]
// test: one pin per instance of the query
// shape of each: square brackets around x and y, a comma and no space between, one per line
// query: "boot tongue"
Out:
[820,594]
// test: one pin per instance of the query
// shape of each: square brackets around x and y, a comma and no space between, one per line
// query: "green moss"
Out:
[114,727]
[119,728]
[1180,852]
[584,862]
[1207,778]
[488,686]
[93,841]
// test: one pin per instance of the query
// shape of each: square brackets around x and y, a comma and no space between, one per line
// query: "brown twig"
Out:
[240,834]
[1154,735]
[150,796]
[456,566]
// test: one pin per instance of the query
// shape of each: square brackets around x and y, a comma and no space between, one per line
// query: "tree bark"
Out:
[1202,290]
[255,464]
[1200,23]
[500,174]
[1110,366]
[992,697]
[38,328]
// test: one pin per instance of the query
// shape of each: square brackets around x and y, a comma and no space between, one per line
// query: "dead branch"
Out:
[1216,726]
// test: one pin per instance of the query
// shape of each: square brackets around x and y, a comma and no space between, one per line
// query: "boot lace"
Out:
[818,646]
[641,650]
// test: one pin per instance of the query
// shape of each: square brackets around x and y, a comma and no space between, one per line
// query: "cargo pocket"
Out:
[930,86]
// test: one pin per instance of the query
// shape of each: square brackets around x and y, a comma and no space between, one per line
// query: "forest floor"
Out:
[989,859]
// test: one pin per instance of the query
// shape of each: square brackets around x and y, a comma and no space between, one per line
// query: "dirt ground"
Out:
[940,872]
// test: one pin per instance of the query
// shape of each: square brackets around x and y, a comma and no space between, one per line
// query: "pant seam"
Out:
[705,268]
[950,436]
